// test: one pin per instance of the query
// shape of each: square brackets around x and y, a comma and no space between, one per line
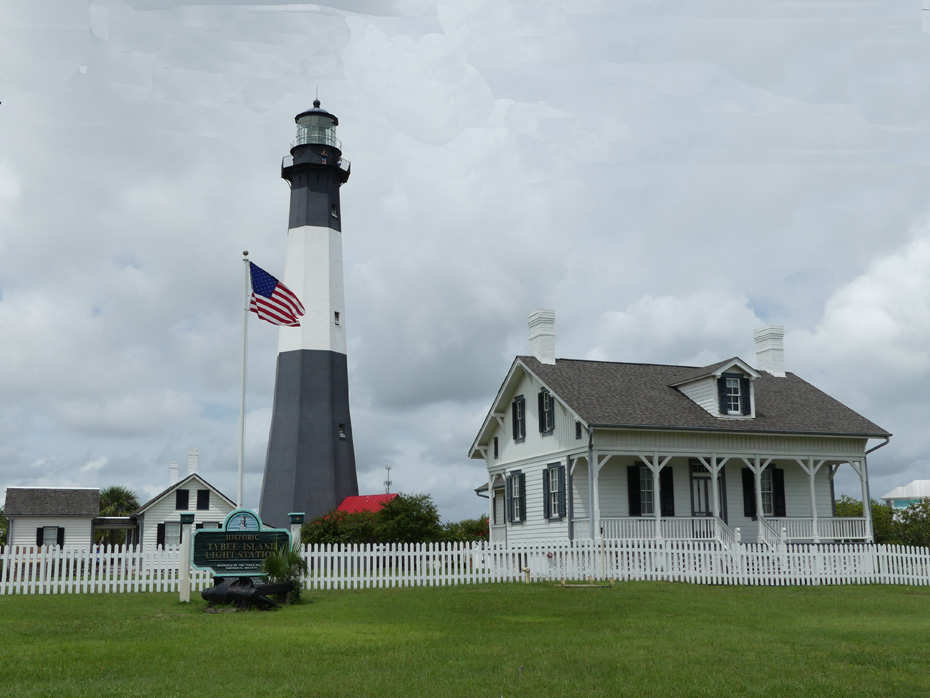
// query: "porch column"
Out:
[757,467]
[861,469]
[592,490]
[657,498]
[811,471]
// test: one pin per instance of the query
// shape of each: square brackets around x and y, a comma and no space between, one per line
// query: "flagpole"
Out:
[245,335]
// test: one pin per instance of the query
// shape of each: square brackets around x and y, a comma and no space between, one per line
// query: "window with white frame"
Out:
[554,491]
[516,496]
[50,535]
[733,395]
[646,491]
[734,390]
[172,533]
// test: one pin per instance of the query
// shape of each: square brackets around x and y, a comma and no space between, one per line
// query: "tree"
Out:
[884,525]
[466,531]
[339,527]
[913,524]
[408,518]
[116,501]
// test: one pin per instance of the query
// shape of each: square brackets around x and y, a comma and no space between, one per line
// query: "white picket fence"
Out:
[50,570]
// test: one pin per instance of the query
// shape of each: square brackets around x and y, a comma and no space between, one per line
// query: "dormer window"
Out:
[733,390]
[733,395]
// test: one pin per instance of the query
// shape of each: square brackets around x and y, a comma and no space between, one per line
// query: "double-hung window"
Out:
[647,493]
[518,414]
[733,392]
[768,493]
[516,497]
[172,533]
[546,412]
[554,491]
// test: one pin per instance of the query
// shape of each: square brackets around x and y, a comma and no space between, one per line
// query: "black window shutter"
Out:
[632,485]
[508,497]
[744,396]
[61,536]
[778,492]
[722,394]
[666,485]
[749,494]
[40,535]
[198,526]
[542,411]
[516,425]
[547,510]
[160,535]
[562,491]
[522,496]
[203,499]
[181,500]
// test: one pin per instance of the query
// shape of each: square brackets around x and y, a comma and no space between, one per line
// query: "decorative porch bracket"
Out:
[757,465]
[714,466]
[655,463]
[811,467]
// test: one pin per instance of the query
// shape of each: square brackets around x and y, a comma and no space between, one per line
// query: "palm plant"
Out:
[116,501]
[286,564]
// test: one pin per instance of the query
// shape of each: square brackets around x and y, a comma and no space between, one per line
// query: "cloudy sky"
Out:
[668,175]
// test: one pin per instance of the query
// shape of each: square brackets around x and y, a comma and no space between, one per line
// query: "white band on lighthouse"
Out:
[313,270]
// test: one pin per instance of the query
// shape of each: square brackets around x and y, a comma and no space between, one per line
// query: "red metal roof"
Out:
[365,502]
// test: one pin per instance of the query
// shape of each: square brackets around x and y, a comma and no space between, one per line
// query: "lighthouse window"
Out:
[336,317]
[335,211]
[342,431]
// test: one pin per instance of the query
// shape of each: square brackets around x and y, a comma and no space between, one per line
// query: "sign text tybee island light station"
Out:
[239,547]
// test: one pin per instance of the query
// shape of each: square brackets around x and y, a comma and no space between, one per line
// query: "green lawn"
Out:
[636,639]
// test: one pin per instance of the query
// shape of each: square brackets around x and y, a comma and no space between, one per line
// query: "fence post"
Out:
[185,560]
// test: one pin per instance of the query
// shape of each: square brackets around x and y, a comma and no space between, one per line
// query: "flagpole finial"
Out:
[245,253]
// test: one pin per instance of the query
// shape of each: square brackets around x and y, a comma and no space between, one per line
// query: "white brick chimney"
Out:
[770,350]
[173,472]
[191,461]
[542,335]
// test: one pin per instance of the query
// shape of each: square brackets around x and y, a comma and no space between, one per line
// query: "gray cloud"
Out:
[667,176]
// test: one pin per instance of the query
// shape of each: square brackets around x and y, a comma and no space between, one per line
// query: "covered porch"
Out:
[753,497]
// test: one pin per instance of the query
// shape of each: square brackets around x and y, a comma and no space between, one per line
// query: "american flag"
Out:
[272,300]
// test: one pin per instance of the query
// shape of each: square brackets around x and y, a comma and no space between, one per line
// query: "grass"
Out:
[637,639]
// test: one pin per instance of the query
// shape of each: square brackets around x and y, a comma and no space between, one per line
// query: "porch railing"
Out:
[829,528]
[768,533]
[670,528]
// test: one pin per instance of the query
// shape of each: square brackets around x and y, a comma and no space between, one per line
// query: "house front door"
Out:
[702,503]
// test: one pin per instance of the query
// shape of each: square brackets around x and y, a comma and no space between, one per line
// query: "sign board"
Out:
[239,548]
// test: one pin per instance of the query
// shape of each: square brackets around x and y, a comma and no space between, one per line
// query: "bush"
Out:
[466,531]
[408,518]
[340,527]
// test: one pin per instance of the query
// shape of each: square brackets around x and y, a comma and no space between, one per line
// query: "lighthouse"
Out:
[310,464]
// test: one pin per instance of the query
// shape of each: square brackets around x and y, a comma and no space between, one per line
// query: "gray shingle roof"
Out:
[51,501]
[640,395]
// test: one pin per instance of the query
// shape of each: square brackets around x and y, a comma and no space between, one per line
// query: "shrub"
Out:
[286,564]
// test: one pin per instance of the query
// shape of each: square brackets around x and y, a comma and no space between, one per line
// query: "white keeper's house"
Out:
[589,449]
